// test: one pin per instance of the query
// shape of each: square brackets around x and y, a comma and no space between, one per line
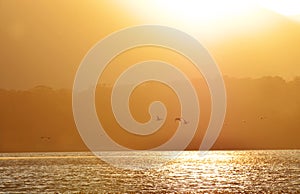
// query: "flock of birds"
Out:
[260,118]
[179,119]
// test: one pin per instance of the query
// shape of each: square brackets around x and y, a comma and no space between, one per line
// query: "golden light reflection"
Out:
[207,156]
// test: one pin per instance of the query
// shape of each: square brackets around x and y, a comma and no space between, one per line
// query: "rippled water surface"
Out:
[216,172]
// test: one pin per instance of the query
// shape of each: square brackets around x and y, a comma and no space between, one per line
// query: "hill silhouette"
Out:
[262,113]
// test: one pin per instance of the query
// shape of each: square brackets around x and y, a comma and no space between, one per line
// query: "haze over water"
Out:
[268,171]
[255,44]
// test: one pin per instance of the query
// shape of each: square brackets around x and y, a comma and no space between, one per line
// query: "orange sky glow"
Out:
[43,43]
[256,45]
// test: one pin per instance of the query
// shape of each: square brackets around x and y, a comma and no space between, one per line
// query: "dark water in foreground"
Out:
[217,172]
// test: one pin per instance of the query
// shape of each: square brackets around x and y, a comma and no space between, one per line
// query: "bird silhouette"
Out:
[158,118]
[262,117]
[180,119]
[46,138]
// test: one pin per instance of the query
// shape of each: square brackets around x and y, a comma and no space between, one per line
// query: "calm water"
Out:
[216,172]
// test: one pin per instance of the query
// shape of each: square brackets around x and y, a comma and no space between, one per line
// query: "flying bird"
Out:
[262,117]
[180,119]
[158,118]
[45,138]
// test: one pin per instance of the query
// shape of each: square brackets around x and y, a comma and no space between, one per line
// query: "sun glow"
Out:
[201,18]
[283,7]
[202,11]
[189,11]
[211,19]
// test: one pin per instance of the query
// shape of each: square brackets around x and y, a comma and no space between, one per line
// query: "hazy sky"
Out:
[43,42]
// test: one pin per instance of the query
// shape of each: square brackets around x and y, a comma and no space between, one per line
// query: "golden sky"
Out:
[43,42]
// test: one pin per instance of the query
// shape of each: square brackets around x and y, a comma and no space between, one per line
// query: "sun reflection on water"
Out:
[268,171]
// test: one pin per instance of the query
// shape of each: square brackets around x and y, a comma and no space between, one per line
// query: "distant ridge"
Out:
[261,114]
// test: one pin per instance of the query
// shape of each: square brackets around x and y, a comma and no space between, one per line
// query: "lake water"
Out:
[270,171]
